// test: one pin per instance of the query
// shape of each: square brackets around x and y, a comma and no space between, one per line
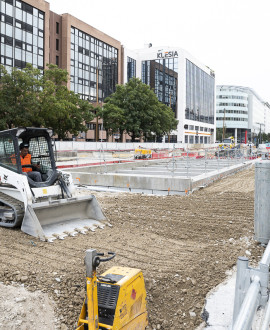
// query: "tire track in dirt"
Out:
[183,244]
[243,181]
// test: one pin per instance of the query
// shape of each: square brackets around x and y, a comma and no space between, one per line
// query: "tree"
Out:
[113,118]
[137,111]
[28,98]
[165,121]
[219,134]
[63,110]
[18,97]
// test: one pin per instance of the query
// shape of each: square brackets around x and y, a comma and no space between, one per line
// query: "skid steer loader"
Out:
[115,300]
[46,209]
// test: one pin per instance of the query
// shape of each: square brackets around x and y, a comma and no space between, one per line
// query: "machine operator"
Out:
[25,157]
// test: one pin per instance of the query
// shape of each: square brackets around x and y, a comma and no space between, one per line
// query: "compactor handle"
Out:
[97,260]
[93,259]
[113,254]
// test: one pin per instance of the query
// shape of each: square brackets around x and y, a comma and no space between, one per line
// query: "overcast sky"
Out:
[232,37]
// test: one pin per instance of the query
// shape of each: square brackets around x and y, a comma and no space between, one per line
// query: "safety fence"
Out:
[205,166]
[78,158]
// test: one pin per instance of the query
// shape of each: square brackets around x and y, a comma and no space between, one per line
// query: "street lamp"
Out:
[170,94]
[99,67]
[101,135]
[97,132]
[223,133]
[260,139]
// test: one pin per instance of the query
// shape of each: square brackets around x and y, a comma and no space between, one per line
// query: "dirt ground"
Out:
[183,244]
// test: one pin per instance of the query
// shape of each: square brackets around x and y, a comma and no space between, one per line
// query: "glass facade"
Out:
[22,35]
[92,63]
[131,68]
[162,76]
[146,72]
[200,91]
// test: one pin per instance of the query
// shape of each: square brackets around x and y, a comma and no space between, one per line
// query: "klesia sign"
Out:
[167,54]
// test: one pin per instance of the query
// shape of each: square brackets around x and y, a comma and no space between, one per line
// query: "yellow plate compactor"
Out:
[115,300]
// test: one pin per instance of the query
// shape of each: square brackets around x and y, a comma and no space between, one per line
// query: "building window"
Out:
[57,27]
[232,97]
[57,44]
[57,60]
[146,72]
[162,76]
[22,34]
[91,126]
[18,4]
[131,68]
[92,61]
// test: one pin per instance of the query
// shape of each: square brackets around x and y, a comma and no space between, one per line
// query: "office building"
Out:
[181,82]
[93,60]
[241,112]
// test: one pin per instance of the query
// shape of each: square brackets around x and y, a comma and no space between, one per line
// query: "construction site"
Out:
[183,220]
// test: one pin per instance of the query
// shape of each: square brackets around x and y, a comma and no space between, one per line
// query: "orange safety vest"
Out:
[13,159]
[26,161]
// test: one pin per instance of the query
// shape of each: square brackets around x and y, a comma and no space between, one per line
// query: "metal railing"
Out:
[251,293]
[179,161]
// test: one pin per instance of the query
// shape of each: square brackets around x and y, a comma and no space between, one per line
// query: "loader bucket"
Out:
[64,217]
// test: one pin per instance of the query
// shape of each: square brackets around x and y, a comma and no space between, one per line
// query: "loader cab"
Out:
[40,148]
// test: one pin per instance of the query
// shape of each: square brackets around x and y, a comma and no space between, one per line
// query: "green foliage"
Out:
[17,97]
[262,137]
[227,133]
[28,98]
[113,118]
[135,109]
[219,134]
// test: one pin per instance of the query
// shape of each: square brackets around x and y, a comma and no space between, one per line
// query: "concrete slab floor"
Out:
[184,168]
[161,177]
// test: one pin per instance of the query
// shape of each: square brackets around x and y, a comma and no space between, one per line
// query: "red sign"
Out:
[133,294]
